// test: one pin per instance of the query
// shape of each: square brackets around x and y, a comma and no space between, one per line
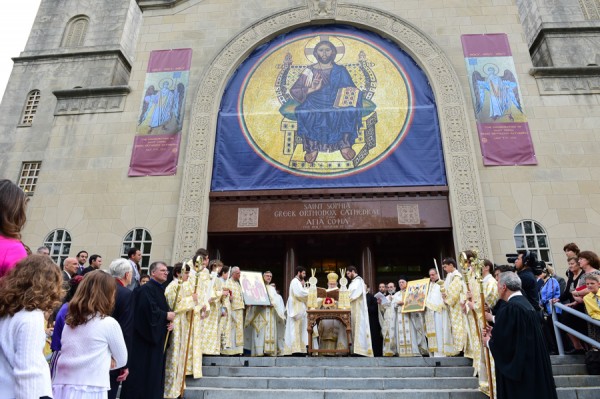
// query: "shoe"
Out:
[310,157]
[348,153]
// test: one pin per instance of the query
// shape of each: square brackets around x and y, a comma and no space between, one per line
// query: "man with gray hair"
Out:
[151,321]
[121,270]
[523,368]
[43,250]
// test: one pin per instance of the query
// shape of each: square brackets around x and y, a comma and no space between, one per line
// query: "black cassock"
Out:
[376,338]
[146,363]
[523,368]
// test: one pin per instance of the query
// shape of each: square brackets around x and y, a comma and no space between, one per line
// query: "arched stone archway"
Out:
[465,196]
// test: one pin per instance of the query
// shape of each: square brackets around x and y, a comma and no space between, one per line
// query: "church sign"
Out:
[330,215]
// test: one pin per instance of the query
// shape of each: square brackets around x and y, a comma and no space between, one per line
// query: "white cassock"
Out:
[279,306]
[438,325]
[410,332]
[387,320]
[262,321]
[296,335]
[361,332]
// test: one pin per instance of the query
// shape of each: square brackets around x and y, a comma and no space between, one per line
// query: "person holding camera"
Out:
[524,264]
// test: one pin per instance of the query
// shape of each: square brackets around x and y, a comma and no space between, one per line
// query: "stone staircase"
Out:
[358,377]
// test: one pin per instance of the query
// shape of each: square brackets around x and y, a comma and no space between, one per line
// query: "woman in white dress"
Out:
[26,292]
[92,341]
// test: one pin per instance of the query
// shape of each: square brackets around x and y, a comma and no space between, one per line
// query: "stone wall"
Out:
[84,185]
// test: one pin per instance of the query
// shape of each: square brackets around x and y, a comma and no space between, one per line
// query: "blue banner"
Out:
[327,107]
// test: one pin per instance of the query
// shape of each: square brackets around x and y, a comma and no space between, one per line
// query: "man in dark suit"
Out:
[81,259]
[95,264]
[69,271]
[151,321]
[121,270]
[135,257]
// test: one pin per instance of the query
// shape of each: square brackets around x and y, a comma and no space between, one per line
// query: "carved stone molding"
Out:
[569,81]
[465,194]
[90,101]
[322,9]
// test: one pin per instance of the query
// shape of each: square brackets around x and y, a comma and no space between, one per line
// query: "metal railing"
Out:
[558,325]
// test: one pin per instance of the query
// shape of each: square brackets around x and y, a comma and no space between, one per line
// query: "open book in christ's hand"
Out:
[346,97]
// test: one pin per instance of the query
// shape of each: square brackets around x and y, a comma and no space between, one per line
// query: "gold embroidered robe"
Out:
[174,372]
[236,332]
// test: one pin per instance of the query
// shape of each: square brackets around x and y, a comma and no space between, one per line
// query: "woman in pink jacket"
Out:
[12,219]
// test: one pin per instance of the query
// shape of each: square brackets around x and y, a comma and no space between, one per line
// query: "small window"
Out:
[142,240]
[29,176]
[531,236]
[59,243]
[31,106]
[75,32]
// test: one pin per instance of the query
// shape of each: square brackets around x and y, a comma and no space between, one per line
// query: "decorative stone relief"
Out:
[570,80]
[89,105]
[247,217]
[470,226]
[321,9]
[408,214]
[590,9]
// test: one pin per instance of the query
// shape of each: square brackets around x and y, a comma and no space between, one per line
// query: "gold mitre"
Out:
[332,277]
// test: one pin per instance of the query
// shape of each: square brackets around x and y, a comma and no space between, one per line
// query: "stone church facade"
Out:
[72,104]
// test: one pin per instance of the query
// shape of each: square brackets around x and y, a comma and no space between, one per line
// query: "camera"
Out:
[529,260]
[512,258]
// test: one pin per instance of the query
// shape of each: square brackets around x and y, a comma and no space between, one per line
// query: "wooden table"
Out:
[314,315]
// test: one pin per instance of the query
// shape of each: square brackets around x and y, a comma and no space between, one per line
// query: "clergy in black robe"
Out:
[151,317]
[121,270]
[376,338]
[523,368]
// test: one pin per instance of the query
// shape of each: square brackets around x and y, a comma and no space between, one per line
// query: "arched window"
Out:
[75,32]
[530,235]
[59,243]
[140,239]
[30,108]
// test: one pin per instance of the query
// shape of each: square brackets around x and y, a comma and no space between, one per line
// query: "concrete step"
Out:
[227,393]
[358,377]
[216,393]
[337,372]
[359,372]
[324,383]
[289,361]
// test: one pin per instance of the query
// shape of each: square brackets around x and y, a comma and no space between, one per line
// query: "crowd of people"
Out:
[86,330]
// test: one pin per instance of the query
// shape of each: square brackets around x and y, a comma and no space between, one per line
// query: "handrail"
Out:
[558,325]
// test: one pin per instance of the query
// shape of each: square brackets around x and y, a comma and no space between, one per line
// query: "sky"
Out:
[15,25]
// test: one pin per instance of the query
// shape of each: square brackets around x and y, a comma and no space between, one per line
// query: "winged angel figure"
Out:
[503,92]
[162,108]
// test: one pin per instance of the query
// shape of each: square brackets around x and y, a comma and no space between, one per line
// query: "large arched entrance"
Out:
[467,226]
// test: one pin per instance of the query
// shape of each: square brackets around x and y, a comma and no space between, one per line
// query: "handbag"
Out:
[592,362]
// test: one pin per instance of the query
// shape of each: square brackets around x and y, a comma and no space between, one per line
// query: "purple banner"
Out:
[158,133]
[504,134]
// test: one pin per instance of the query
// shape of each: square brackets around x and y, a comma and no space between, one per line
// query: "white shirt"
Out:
[86,351]
[24,372]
